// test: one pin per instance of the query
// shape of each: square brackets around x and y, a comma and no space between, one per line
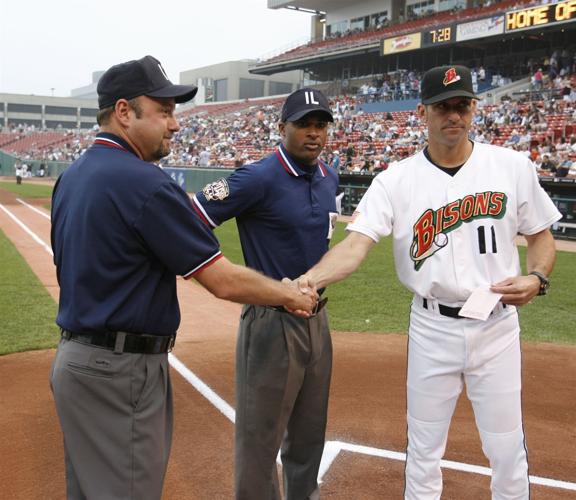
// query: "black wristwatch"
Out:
[544,282]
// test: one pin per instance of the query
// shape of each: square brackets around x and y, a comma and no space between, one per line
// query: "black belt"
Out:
[451,312]
[120,342]
[317,308]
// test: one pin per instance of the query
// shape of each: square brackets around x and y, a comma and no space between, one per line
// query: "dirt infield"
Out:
[367,407]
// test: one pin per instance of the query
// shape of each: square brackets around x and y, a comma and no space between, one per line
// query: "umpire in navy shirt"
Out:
[122,230]
[285,209]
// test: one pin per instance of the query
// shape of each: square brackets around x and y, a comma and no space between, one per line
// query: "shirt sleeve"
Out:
[174,233]
[229,197]
[375,215]
[536,211]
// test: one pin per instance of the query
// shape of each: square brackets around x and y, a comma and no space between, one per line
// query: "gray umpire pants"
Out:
[115,411]
[283,370]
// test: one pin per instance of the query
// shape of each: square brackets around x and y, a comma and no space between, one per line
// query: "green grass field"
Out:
[27,189]
[26,308]
[372,299]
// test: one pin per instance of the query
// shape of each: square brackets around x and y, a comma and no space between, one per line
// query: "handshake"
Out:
[303,298]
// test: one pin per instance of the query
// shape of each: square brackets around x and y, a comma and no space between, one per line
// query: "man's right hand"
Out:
[301,300]
[305,284]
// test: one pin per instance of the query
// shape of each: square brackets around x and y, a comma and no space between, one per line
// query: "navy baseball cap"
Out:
[144,76]
[445,82]
[304,101]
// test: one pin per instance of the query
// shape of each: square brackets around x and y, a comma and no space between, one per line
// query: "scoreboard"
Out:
[540,16]
[534,17]
[439,36]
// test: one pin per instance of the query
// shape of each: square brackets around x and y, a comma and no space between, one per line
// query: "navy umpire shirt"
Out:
[285,212]
[122,230]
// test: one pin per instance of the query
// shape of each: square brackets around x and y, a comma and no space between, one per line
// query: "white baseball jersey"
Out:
[453,234]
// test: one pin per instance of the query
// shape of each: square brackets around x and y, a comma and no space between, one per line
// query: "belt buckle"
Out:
[319,306]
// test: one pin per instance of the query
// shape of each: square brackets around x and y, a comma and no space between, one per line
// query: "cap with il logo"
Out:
[144,76]
[304,101]
[446,82]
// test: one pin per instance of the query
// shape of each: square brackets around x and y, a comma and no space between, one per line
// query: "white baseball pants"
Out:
[444,354]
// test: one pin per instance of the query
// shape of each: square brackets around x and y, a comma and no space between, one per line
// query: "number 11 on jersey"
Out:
[482,239]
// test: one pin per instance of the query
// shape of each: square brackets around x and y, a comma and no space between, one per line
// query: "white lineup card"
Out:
[480,304]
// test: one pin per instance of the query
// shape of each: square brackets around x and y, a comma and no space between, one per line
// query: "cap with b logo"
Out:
[144,76]
[445,82]
[304,101]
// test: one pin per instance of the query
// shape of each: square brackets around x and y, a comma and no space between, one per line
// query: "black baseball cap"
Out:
[304,101]
[445,82]
[144,76]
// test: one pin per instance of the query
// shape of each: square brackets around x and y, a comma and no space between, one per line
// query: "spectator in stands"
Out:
[238,160]
[350,153]
[366,164]
[562,145]
[379,164]
[481,75]
[572,171]
[204,158]
[537,163]
[538,79]
[525,138]
[564,167]
[547,164]
[514,138]
[474,74]
[335,163]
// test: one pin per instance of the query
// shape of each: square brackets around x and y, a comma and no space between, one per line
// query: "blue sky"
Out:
[58,44]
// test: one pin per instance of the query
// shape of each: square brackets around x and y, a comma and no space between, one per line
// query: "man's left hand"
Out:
[517,291]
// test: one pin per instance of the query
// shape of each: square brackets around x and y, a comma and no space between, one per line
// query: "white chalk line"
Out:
[331,448]
[26,229]
[202,388]
[33,208]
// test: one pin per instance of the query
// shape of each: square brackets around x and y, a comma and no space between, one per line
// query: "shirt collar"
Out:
[113,141]
[292,167]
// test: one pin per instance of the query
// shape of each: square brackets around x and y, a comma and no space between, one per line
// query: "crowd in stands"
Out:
[394,86]
[417,21]
[552,75]
[235,134]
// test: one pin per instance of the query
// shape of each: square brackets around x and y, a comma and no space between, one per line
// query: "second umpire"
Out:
[285,208]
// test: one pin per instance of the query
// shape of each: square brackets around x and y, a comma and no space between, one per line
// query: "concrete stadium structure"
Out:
[47,112]
[351,41]
[231,80]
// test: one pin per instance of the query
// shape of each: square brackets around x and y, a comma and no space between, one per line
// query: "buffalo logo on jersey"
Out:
[430,231]
[451,77]
[217,190]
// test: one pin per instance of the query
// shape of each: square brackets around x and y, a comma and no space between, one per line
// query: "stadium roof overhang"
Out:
[305,62]
[308,5]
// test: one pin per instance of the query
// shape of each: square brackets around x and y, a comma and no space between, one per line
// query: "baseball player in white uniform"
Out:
[454,210]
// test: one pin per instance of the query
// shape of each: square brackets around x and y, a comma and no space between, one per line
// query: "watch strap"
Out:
[544,282]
